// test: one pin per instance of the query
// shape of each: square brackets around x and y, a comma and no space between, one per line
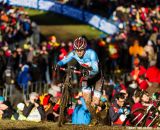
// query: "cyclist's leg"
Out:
[87,94]
[95,97]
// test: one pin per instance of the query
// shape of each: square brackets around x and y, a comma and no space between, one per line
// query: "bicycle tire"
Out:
[63,104]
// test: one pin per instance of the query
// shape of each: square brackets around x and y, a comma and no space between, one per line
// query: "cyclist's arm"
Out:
[94,64]
[66,59]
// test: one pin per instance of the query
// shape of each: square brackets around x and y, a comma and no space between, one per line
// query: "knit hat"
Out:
[136,61]
[24,67]
[8,53]
[33,95]
[103,98]
[150,43]
[1,99]
[20,106]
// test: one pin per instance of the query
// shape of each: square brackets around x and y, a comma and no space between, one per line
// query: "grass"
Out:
[64,28]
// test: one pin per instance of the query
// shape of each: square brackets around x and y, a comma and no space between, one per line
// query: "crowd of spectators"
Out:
[106,7]
[15,24]
[135,50]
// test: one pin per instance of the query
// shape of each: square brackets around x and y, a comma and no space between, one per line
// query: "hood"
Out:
[25,68]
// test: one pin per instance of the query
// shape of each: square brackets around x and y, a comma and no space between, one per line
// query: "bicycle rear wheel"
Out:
[134,117]
[63,105]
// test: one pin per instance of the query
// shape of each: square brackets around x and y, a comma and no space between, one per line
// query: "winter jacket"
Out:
[24,77]
[116,117]
[33,113]
[9,76]
[90,59]
[81,115]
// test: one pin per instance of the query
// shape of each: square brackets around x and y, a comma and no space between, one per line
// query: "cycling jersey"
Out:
[89,59]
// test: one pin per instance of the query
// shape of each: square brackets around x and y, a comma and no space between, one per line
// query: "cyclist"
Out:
[85,57]
[88,59]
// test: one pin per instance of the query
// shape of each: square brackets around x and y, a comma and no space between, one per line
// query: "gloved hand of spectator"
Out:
[56,67]
[29,83]
[121,111]
[127,111]
[12,81]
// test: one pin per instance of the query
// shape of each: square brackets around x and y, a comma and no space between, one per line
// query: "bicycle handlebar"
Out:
[73,70]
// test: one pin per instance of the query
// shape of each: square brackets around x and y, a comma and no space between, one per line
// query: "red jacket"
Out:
[139,72]
[143,84]
[153,74]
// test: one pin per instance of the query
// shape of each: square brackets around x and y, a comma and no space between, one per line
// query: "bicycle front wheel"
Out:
[63,105]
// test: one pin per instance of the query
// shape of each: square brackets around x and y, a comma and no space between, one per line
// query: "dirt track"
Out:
[8,124]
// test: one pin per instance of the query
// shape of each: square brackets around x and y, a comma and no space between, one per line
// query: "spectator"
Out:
[81,115]
[9,80]
[33,111]
[24,77]
[18,115]
[116,110]
[2,68]
[137,106]
[5,109]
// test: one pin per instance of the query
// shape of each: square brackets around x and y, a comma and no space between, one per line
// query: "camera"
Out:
[37,101]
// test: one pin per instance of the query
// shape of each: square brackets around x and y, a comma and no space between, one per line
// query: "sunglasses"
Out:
[79,50]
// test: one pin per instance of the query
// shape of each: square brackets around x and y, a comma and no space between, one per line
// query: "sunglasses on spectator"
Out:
[121,101]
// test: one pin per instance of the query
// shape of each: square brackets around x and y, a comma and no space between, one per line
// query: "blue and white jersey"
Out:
[90,59]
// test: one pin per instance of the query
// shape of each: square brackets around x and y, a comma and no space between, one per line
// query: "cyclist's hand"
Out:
[85,72]
[85,65]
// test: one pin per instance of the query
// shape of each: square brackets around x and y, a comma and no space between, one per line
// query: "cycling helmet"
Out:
[80,44]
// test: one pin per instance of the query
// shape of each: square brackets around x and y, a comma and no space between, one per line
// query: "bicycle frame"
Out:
[65,92]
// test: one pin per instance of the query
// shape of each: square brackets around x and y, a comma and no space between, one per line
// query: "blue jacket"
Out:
[90,58]
[81,114]
[24,77]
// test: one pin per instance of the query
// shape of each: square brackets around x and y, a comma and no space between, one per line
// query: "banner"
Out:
[25,3]
[92,19]
[4,1]
[57,8]
[107,27]
[72,12]
[45,5]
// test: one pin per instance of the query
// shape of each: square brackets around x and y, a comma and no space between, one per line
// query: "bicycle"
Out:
[66,94]
[141,115]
